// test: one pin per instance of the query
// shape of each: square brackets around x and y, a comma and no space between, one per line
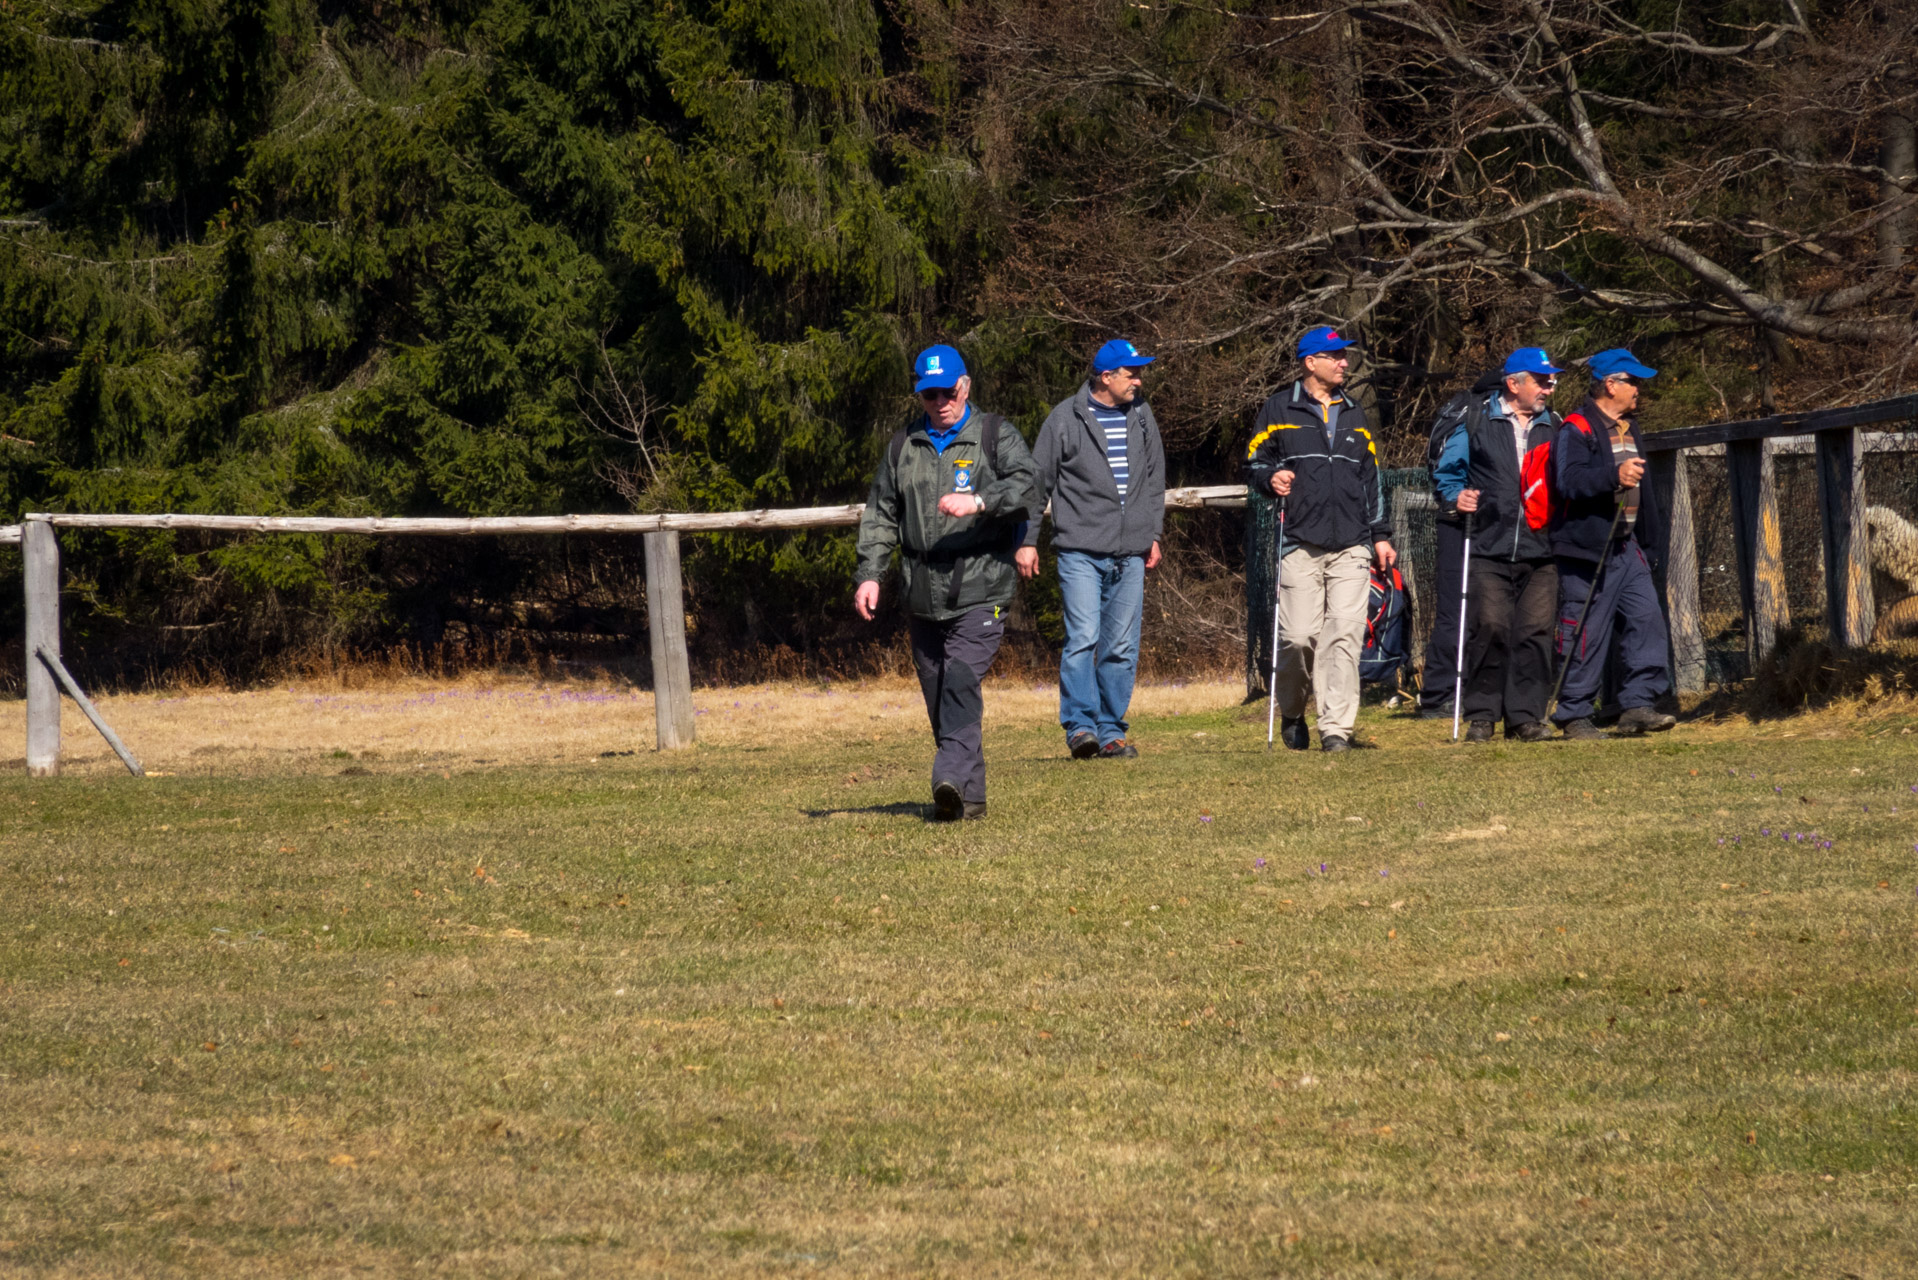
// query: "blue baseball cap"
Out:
[938,366]
[1618,360]
[1530,360]
[1321,340]
[1119,354]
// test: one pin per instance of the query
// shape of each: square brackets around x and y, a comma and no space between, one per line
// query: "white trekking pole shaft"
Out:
[1272,676]
[1458,663]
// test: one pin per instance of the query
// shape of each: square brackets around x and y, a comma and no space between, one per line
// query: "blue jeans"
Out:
[1104,601]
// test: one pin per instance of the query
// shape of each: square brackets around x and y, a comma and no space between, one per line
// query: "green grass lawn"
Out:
[1533,1011]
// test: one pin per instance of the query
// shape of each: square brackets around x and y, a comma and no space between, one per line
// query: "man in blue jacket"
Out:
[1101,462]
[1313,449]
[1599,461]
[1495,467]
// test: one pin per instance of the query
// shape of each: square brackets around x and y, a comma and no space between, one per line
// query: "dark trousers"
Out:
[1626,607]
[1441,651]
[951,658]
[1508,640]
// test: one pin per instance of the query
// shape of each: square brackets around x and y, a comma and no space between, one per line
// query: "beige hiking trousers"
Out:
[1322,596]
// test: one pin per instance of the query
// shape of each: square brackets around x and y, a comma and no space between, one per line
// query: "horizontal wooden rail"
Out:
[1901,409]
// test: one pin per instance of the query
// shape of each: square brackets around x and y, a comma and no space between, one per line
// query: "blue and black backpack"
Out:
[1384,656]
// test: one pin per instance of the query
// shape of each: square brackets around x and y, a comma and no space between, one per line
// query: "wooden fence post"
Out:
[1849,611]
[1761,561]
[666,626]
[40,547]
[1678,570]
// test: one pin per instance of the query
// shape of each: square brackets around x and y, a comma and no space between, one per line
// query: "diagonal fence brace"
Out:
[74,691]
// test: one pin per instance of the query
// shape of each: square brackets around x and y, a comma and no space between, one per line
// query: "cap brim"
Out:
[1638,370]
[937,382]
[1330,346]
[1130,362]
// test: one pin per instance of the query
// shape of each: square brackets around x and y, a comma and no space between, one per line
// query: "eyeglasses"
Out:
[1545,379]
[938,394]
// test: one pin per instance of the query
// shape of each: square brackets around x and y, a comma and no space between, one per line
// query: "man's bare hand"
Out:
[1282,483]
[1630,472]
[1027,558]
[1152,556]
[1387,556]
[1468,499]
[962,504]
[866,599]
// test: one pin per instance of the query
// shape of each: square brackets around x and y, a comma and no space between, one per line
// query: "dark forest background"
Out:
[502,257]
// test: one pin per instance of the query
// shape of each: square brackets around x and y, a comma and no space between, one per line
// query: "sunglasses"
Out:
[938,394]
[1629,379]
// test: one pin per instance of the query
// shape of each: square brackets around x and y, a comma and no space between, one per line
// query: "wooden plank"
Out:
[40,547]
[74,691]
[1900,409]
[1677,573]
[1761,562]
[9,533]
[666,625]
[1849,611]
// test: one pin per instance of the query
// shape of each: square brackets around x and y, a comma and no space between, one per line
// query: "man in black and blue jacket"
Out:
[1598,464]
[1313,449]
[1495,468]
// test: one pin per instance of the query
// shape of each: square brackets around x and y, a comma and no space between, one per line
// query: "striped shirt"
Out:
[1112,425]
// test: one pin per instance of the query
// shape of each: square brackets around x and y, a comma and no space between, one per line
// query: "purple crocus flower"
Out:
[1259,863]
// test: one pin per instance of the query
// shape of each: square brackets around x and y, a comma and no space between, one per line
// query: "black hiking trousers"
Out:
[952,657]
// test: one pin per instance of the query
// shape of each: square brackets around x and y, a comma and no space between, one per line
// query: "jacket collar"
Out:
[1299,397]
[1495,408]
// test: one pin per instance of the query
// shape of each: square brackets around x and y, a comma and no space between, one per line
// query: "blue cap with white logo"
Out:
[1608,364]
[1531,360]
[938,366]
[1119,354]
[1318,341]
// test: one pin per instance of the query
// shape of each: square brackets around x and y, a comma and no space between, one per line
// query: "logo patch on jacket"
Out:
[962,476]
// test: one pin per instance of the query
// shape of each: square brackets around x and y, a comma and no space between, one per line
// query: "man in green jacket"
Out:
[953,493]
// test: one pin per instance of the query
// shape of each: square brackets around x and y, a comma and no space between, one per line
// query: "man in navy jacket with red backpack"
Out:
[1496,468]
[1598,462]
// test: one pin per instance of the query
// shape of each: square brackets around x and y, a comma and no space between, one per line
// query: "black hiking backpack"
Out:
[1454,411]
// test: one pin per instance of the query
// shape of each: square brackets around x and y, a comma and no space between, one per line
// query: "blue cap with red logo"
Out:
[1321,340]
[938,366]
[1119,354]
[1531,360]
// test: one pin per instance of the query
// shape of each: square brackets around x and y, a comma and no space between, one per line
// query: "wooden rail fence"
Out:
[1836,437]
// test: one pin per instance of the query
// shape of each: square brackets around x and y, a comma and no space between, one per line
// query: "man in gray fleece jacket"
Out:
[1101,462]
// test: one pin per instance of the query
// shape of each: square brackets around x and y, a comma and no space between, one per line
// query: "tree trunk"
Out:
[1898,157]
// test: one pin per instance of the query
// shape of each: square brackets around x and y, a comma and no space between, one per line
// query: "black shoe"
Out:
[1440,712]
[1479,731]
[1639,720]
[1582,730]
[1335,743]
[1292,733]
[1532,731]
[1118,749]
[1083,745]
[947,806]
[974,812]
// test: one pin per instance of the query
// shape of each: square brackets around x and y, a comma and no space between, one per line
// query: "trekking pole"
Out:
[1458,662]
[1578,633]
[1272,677]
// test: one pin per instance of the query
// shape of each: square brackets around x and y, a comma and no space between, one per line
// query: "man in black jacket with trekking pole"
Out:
[1605,577]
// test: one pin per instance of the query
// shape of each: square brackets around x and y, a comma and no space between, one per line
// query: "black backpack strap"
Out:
[989,425]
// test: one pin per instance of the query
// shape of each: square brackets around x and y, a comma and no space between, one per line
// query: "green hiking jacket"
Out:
[951,565]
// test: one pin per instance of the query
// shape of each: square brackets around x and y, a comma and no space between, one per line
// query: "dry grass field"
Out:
[420,978]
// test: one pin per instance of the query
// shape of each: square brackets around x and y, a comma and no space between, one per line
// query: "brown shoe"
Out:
[1645,720]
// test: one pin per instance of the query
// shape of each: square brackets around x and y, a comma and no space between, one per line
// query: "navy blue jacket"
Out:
[1338,499]
[1587,475]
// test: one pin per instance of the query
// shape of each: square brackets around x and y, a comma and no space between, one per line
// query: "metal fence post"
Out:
[40,547]
[666,627]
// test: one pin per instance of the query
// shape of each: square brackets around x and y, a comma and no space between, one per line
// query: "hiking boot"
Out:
[1442,711]
[974,812]
[1292,733]
[1083,745]
[1118,749]
[947,805]
[1582,730]
[1479,731]
[1637,720]
[1335,743]
[1532,731]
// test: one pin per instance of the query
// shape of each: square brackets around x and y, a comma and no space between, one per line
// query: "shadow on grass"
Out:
[896,810]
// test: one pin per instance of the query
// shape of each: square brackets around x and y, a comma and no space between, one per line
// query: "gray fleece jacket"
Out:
[1072,471]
